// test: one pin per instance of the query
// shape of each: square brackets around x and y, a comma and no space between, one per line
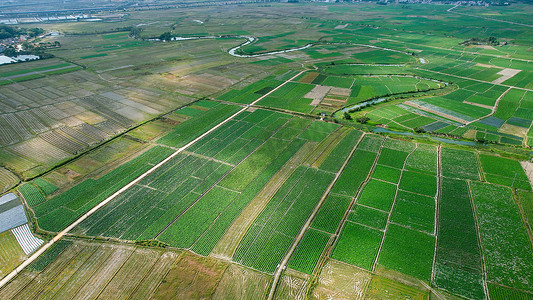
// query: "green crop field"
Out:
[303,150]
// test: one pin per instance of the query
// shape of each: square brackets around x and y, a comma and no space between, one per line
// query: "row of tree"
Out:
[7,32]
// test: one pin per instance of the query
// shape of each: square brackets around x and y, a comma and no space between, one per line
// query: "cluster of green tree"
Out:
[491,41]
[7,32]
[27,49]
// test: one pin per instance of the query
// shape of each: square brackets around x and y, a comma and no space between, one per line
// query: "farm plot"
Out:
[459,164]
[190,129]
[290,97]
[56,213]
[252,92]
[308,252]
[385,288]
[272,233]
[11,253]
[506,245]
[47,120]
[93,270]
[338,155]
[408,251]
[7,180]
[340,280]
[358,166]
[504,171]
[414,211]
[458,265]
[423,159]
[358,245]
[191,201]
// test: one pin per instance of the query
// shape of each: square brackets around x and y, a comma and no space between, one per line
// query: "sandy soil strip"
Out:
[477,104]
[227,245]
[435,112]
[506,74]
[317,94]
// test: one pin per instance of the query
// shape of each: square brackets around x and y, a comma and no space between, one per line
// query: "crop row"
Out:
[282,218]
[32,194]
[308,252]
[458,258]
[56,213]
[506,245]
[190,129]
[210,237]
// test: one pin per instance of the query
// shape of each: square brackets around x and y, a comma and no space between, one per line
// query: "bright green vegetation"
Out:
[336,158]
[251,92]
[317,131]
[392,158]
[458,259]
[272,233]
[31,194]
[423,159]
[378,194]
[189,130]
[506,245]
[246,171]
[355,173]
[309,250]
[184,203]
[45,186]
[504,171]
[387,174]
[408,251]
[418,183]
[58,212]
[459,164]
[526,202]
[290,97]
[50,255]
[11,253]
[414,211]
[358,245]
[498,292]
[184,231]
[369,217]
[273,164]
[331,213]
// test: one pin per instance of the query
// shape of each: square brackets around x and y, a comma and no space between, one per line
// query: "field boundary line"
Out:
[478,80]
[216,184]
[147,272]
[494,107]
[374,265]
[478,234]
[437,211]
[115,273]
[61,234]
[281,267]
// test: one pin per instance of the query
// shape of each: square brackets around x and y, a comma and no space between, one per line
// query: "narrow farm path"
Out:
[478,233]
[61,234]
[494,108]
[281,267]
[489,82]
[392,207]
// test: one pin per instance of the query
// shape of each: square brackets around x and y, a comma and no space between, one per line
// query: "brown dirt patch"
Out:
[192,277]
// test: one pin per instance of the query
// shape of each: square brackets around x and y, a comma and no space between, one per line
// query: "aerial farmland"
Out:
[266,150]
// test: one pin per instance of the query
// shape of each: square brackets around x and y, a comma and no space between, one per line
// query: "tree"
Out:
[166,36]
[363,119]
[135,32]
[347,116]
[419,130]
